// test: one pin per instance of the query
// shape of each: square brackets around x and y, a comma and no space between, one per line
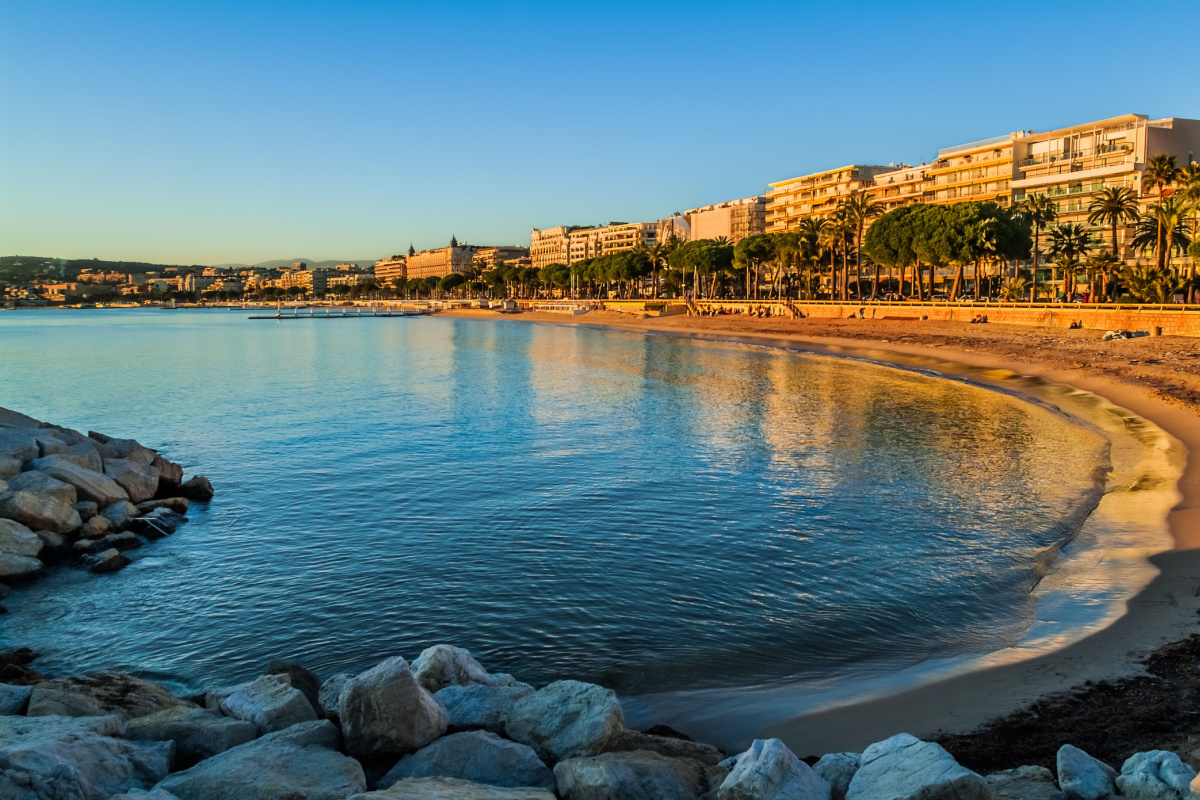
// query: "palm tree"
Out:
[1067,244]
[813,241]
[1014,289]
[859,210]
[1189,192]
[1151,284]
[1160,173]
[656,253]
[1162,228]
[1103,264]
[841,230]
[1038,210]
[1112,206]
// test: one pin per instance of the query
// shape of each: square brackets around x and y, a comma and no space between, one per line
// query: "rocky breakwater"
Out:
[444,728]
[85,500]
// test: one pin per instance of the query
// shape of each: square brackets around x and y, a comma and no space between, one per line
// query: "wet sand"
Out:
[1157,378]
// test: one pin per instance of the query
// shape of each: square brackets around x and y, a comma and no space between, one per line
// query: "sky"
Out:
[235,132]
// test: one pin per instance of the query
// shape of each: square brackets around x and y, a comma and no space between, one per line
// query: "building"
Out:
[982,171]
[1070,165]
[898,187]
[352,279]
[492,257]
[440,262]
[732,221]
[315,281]
[197,283]
[390,270]
[619,236]
[549,246]
[815,195]
[582,244]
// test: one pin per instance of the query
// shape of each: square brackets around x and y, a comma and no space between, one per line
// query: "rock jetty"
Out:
[443,728]
[83,500]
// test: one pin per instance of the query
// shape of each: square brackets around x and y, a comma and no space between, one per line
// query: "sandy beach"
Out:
[1157,378]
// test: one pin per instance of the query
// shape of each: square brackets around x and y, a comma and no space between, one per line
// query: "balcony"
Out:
[1078,155]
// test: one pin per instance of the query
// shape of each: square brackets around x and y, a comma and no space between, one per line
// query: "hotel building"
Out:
[492,257]
[980,171]
[389,270]
[1070,165]
[585,243]
[440,262]
[549,246]
[901,186]
[815,195]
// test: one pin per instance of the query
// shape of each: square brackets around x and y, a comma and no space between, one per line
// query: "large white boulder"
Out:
[61,758]
[476,756]
[198,733]
[298,763]
[89,485]
[480,707]
[905,768]
[139,480]
[270,702]
[1156,775]
[770,771]
[385,712]
[837,769]
[1082,777]
[446,665]
[567,719]
[451,789]
[637,775]
[100,694]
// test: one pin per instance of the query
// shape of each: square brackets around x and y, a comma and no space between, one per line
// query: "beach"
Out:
[1157,378]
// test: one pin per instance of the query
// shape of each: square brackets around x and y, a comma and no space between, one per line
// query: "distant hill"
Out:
[287,262]
[27,269]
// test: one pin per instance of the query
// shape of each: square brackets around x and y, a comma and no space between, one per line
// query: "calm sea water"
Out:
[648,513]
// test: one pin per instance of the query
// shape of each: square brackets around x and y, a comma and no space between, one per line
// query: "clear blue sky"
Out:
[188,132]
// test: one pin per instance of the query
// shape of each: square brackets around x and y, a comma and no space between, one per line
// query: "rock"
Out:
[139,480]
[330,695]
[307,683]
[17,539]
[905,768]
[198,733]
[270,702]
[113,448]
[567,719]
[8,467]
[170,475]
[95,486]
[95,527]
[450,789]
[1156,775]
[17,569]
[39,510]
[633,776]
[770,771]
[670,746]
[55,546]
[384,712]
[837,769]
[1082,777]
[13,699]
[476,756]
[446,665]
[19,445]
[119,514]
[83,454]
[40,483]
[298,763]
[87,509]
[59,758]
[480,707]
[101,694]
[138,794]
[196,488]
[125,540]
[111,560]
[177,504]
[158,523]
[1024,783]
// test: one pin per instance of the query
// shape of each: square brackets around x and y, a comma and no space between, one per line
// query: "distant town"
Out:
[1113,207]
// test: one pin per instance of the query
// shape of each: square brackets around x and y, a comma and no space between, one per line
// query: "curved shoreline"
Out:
[1164,611]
